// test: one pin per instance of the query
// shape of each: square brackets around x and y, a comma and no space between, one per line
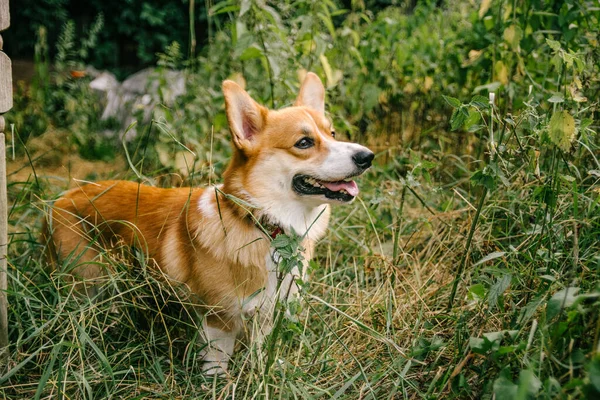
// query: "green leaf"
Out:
[452,101]
[513,35]
[250,53]
[222,8]
[562,130]
[458,118]
[498,289]
[244,7]
[554,45]
[370,97]
[480,101]
[84,339]
[490,87]
[285,252]
[504,389]
[485,178]
[499,335]
[491,256]
[473,118]
[585,122]
[567,178]
[328,24]
[564,298]
[489,341]
[280,241]
[594,373]
[476,291]
[529,385]
[48,370]
[478,345]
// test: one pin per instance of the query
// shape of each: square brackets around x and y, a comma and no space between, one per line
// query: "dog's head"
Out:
[291,155]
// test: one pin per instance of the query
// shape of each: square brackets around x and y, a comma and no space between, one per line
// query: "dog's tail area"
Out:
[46,239]
[70,244]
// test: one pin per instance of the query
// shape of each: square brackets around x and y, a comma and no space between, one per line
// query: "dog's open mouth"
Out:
[345,190]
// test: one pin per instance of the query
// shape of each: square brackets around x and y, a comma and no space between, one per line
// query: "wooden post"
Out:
[6,102]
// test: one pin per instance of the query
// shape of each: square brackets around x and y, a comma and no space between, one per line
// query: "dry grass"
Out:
[373,322]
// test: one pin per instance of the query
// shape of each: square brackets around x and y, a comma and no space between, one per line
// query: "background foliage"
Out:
[469,267]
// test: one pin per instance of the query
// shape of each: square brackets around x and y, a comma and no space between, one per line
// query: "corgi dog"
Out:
[286,170]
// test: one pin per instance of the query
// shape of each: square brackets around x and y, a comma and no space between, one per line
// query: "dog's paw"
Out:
[215,368]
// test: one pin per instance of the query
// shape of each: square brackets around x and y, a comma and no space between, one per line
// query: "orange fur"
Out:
[167,224]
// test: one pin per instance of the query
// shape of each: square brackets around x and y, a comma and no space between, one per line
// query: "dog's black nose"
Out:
[363,159]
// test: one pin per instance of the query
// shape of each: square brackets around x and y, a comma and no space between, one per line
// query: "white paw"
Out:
[215,368]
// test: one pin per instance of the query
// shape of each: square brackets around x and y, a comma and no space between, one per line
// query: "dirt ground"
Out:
[52,157]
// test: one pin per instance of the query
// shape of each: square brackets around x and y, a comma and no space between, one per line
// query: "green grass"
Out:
[373,321]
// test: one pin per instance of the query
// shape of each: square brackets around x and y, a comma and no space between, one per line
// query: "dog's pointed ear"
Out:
[312,93]
[246,117]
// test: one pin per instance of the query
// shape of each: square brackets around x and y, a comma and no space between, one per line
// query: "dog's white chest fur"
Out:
[280,285]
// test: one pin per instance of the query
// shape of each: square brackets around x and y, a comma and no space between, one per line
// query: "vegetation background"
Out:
[468,267]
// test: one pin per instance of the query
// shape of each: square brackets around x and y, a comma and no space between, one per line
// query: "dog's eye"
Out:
[304,143]
[333,134]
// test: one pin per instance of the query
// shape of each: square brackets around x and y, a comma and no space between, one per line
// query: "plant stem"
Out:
[397,236]
[463,261]
[269,70]
[192,30]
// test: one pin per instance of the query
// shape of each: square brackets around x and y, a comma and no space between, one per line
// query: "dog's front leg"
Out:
[280,287]
[220,342]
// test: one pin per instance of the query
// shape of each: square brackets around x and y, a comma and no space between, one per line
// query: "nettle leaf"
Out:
[504,389]
[281,241]
[498,289]
[480,101]
[250,53]
[245,41]
[594,371]
[285,252]
[473,118]
[513,35]
[459,116]
[485,178]
[490,341]
[452,101]
[529,385]
[562,130]
[554,45]
[478,345]
[564,298]
[530,309]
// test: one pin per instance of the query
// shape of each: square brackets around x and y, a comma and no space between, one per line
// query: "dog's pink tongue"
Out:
[350,187]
